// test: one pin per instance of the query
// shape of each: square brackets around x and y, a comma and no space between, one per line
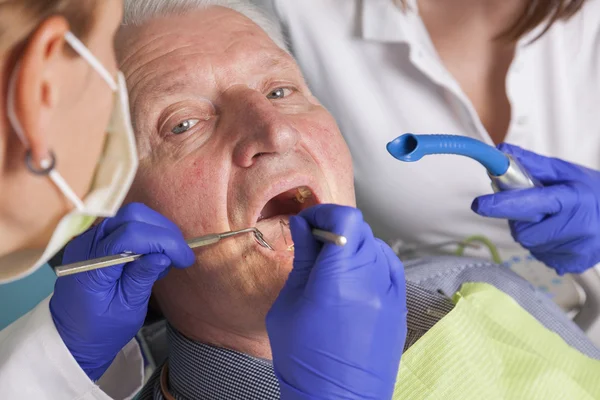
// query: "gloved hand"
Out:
[338,327]
[558,223]
[98,312]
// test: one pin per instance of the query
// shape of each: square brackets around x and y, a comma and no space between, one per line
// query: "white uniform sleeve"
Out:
[35,364]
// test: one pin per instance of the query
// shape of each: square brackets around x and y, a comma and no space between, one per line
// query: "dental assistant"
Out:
[521,72]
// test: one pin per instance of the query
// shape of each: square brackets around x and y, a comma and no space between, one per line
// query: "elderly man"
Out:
[229,135]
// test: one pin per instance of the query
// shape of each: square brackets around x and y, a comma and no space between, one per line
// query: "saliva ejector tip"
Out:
[404,148]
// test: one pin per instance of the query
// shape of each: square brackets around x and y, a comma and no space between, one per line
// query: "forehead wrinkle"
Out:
[149,85]
[171,63]
[252,62]
[155,59]
[141,49]
[178,79]
[166,44]
[147,65]
[183,76]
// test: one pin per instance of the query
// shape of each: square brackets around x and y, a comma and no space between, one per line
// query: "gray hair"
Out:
[139,11]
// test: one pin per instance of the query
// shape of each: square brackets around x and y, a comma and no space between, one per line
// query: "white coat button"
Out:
[522,120]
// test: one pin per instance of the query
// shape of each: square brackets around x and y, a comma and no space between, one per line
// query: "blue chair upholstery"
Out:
[20,297]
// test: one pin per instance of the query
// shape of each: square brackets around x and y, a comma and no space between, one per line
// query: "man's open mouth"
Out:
[290,202]
[274,217]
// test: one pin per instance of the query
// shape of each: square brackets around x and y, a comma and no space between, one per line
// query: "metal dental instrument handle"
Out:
[325,236]
[330,237]
[516,177]
[109,261]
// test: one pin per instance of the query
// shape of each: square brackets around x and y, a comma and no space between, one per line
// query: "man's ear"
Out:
[37,86]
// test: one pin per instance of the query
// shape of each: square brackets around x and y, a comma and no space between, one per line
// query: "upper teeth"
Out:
[302,193]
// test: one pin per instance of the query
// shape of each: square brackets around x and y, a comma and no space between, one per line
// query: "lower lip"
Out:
[276,234]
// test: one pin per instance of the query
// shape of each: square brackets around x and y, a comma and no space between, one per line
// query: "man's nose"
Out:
[264,129]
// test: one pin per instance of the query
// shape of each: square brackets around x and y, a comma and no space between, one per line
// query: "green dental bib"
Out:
[488,347]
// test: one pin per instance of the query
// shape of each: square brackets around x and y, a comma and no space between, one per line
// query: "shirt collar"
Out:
[385,21]
[200,371]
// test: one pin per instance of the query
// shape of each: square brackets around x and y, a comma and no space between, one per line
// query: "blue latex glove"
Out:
[558,223]
[97,313]
[338,327]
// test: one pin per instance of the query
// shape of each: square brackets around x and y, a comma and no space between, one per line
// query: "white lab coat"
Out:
[36,364]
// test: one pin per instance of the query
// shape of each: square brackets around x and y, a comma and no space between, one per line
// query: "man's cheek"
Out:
[329,148]
[330,151]
[153,190]
[187,193]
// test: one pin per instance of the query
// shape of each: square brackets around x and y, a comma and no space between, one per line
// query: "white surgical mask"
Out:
[113,177]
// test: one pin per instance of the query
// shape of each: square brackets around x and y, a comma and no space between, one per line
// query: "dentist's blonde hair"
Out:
[19,18]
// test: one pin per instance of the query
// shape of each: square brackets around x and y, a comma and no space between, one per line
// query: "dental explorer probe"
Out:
[109,261]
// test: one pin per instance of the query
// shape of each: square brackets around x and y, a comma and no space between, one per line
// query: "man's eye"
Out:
[184,126]
[279,93]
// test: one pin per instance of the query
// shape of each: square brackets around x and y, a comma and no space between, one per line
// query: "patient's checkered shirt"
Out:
[198,371]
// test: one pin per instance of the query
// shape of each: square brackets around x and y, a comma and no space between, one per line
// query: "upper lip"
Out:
[283,185]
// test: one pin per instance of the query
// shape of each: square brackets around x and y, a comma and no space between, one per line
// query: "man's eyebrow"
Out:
[168,89]
[275,61]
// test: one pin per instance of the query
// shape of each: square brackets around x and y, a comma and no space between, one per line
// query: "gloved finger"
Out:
[164,273]
[139,276]
[139,213]
[396,268]
[553,229]
[551,237]
[561,260]
[531,205]
[93,281]
[306,250]
[338,277]
[341,220]
[398,287]
[306,247]
[79,249]
[141,238]
[547,170]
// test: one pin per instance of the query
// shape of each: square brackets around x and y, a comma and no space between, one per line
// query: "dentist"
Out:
[67,157]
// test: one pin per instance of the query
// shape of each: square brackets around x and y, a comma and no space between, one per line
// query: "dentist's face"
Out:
[227,132]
